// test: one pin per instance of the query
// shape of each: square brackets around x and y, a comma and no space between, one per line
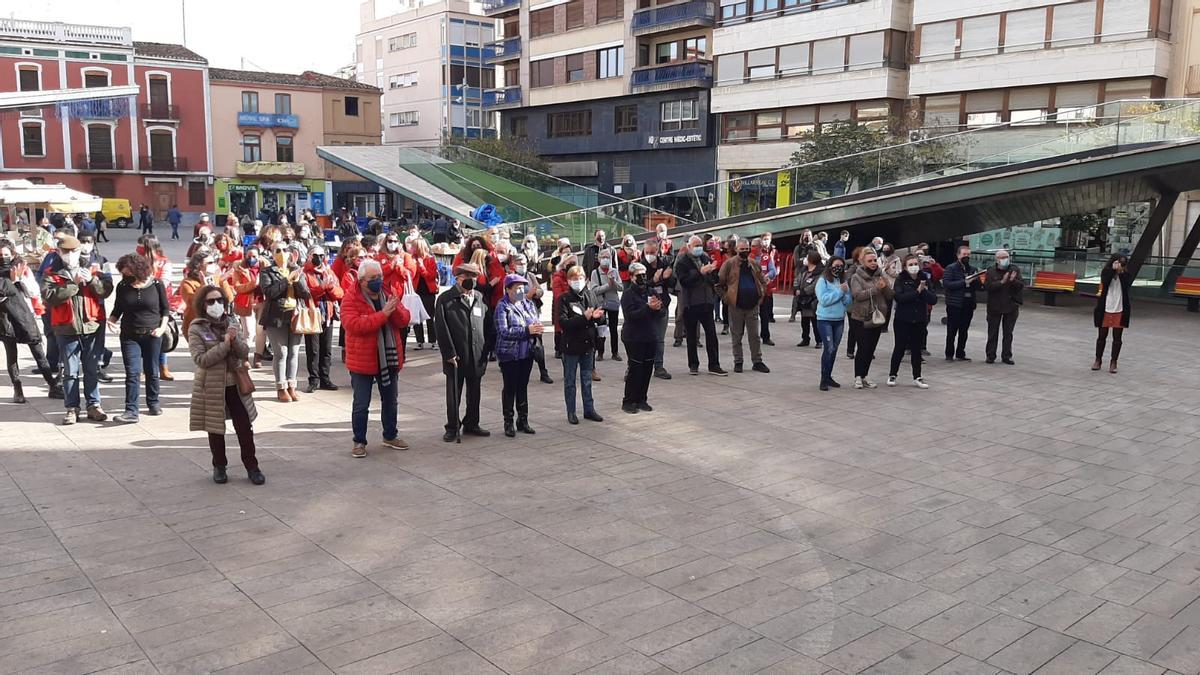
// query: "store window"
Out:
[567,124]
[682,114]
[249,101]
[750,192]
[625,117]
[284,151]
[251,148]
[197,195]
[541,73]
[575,68]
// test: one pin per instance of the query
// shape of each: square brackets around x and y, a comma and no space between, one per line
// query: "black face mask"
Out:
[837,271]
[744,255]
[640,280]
[318,260]
[468,284]
[965,260]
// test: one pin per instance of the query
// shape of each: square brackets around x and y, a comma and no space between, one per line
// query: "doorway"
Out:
[164,197]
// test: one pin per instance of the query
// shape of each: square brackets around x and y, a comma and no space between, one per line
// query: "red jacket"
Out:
[426,269]
[493,273]
[624,258]
[558,288]
[317,282]
[396,272]
[363,323]
[339,267]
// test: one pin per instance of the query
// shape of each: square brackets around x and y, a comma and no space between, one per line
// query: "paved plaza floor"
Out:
[1037,517]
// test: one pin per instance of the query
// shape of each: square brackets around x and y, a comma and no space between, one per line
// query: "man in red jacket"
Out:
[373,316]
[327,293]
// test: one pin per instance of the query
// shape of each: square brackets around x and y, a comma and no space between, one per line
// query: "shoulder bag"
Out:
[877,318]
[306,320]
[412,302]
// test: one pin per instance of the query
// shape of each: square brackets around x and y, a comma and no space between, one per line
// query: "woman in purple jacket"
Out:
[517,324]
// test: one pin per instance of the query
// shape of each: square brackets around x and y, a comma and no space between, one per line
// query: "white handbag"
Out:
[412,302]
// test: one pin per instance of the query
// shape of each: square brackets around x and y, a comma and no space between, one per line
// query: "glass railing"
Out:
[1111,126]
[1155,278]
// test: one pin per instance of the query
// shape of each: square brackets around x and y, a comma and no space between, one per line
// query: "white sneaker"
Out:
[919,383]
[891,380]
[869,384]
[858,383]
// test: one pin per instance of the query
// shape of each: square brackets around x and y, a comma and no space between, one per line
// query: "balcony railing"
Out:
[110,162]
[159,111]
[493,7]
[163,163]
[679,15]
[504,50]
[509,97]
[668,75]
[65,32]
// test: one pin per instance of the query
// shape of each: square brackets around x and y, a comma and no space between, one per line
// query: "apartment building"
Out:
[431,61]
[143,137]
[266,129]
[614,94]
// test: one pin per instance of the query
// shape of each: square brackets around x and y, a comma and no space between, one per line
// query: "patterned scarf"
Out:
[385,345]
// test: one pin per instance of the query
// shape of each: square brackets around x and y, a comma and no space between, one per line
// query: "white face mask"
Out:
[650,257]
[215,311]
[502,257]
[520,269]
[914,269]
[305,233]
[211,269]
[86,249]
[578,285]
[393,246]
[71,260]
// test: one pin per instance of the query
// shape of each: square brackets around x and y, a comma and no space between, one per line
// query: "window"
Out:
[1027,117]
[942,111]
[100,147]
[1076,102]
[732,9]
[33,139]
[1028,105]
[484,119]
[610,62]
[283,104]
[769,125]
[474,76]
[829,56]
[574,67]
[351,106]
[1125,20]
[1025,30]
[160,94]
[982,119]
[541,73]
[800,121]
[29,78]
[731,68]
[760,6]
[872,113]
[404,80]
[565,124]
[666,52]
[980,35]
[541,22]
[574,14]
[793,59]
[162,151]
[695,48]
[984,107]
[866,51]
[250,101]
[197,195]
[938,40]
[410,118]
[95,79]
[760,63]
[251,148]
[1074,24]
[683,114]
[402,42]
[104,187]
[518,127]
[609,9]
[737,126]
[626,118]
[284,151]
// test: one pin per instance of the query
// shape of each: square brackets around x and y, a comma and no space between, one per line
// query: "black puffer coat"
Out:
[17,321]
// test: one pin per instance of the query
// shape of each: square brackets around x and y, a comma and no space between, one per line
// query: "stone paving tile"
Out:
[1032,651]
[1080,658]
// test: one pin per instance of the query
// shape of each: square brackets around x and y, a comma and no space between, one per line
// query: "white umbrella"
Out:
[56,198]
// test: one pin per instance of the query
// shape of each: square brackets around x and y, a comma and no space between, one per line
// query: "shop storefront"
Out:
[251,197]
[751,191]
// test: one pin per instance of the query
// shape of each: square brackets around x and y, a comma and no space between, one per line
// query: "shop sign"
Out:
[675,139]
[269,120]
[242,187]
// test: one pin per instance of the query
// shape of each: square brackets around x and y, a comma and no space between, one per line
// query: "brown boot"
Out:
[291,392]
[164,373]
[1112,366]
[1096,364]
[595,376]
[283,396]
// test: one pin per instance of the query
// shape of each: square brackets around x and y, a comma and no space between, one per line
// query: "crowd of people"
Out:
[244,301]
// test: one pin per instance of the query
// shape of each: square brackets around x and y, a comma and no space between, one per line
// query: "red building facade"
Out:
[153,148]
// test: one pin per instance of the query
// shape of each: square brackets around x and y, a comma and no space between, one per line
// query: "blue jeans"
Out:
[583,366]
[80,358]
[361,384]
[831,339]
[140,354]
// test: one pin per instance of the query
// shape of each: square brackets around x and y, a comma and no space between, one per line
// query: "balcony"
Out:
[59,33]
[268,120]
[163,163]
[500,7]
[507,49]
[667,18]
[110,162]
[500,99]
[270,169]
[159,112]
[672,76]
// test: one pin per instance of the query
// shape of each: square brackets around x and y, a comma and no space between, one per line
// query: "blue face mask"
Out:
[1002,263]
[520,293]
[375,285]
[697,251]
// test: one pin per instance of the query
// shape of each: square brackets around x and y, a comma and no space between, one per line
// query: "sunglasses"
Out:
[214,301]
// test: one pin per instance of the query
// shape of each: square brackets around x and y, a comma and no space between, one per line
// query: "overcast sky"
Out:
[278,35]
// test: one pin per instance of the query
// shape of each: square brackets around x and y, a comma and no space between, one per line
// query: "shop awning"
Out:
[286,187]
[57,198]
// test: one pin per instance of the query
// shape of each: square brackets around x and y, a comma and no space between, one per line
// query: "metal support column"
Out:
[1186,251]
[1158,217]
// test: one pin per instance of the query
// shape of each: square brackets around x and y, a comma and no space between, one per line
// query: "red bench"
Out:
[1051,284]
[1188,287]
